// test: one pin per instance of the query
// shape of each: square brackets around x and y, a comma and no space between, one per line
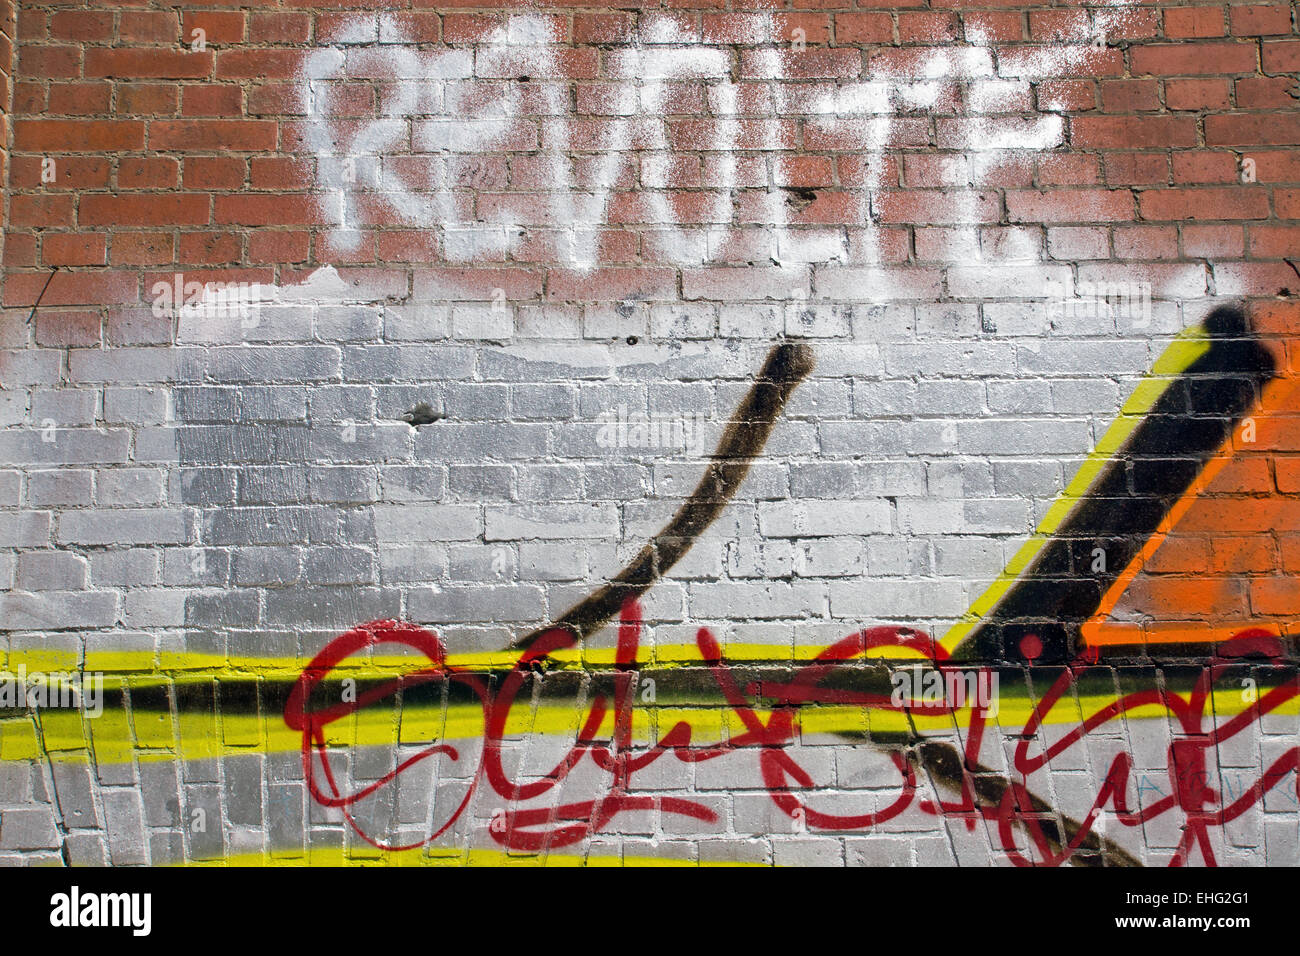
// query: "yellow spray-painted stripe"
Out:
[185,668]
[1189,346]
[369,856]
[111,739]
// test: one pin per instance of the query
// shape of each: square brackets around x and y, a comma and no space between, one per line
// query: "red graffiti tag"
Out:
[534,829]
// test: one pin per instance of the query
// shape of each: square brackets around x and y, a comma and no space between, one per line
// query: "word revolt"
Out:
[670,95]
[76,909]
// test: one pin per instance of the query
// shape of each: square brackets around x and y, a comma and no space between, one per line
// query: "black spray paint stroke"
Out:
[786,366]
[1126,502]
[36,305]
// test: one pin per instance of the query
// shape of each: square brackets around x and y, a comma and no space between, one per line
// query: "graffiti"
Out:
[1202,805]
[415,161]
[1045,611]
[1006,803]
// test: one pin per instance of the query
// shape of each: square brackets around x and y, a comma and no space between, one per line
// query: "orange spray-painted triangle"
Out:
[1226,557]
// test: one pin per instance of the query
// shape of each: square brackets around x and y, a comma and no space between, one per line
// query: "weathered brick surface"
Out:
[466,242]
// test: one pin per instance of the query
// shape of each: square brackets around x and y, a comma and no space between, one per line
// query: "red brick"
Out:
[1213,242]
[147,99]
[992,25]
[804,171]
[602,27]
[259,64]
[1287,203]
[1136,23]
[278,246]
[1073,96]
[214,172]
[1129,132]
[1068,169]
[142,248]
[927,27]
[468,27]
[74,249]
[49,62]
[1070,205]
[924,206]
[212,101]
[72,288]
[67,329]
[1281,56]
[816,26]
[1266,92]
[142,172]
[1240,202]
[20,250]
[1274,241]
[1129,96]
[864,28]
[279,172]
[70,172]
[149,26]
[268,210]
[279,27]
[1276,129]
[813,63]
[29,98]
[94,26]
[1182,23]
[1184,59]
[219,27]
[1196,166]
[1261,19]
[1146,242]
[1211,94]
[72,99]
[1276,166]
[33,24]
[408,245]
[413,26]
[210,248]
[41,210]
[276,98]
[1057,26]
[213,134]
[144,209]
[78,135]
[138,63]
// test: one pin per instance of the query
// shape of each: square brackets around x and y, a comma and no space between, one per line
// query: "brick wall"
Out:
[436,314]
[8,30]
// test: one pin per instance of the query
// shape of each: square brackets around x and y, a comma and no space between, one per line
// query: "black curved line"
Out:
[786,366]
